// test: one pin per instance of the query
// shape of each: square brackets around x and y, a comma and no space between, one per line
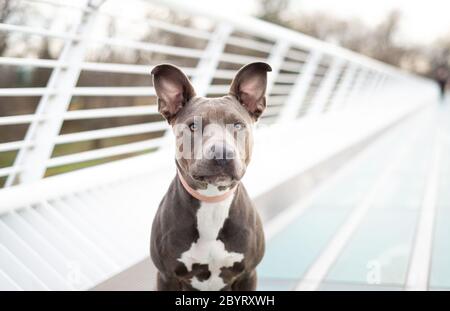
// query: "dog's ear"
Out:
[173,89]
[249,87]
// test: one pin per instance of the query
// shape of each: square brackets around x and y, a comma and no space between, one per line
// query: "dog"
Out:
[207,234]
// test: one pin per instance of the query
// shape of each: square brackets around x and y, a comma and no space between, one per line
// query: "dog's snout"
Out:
[222,162]
[222,153]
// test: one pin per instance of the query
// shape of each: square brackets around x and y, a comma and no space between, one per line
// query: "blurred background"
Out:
[351,166]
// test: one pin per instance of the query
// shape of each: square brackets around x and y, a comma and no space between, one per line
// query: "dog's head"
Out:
[213,135]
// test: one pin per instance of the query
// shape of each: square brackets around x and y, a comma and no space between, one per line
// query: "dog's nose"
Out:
[222,154]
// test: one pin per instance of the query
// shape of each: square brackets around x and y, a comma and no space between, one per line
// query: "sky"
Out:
[422,20]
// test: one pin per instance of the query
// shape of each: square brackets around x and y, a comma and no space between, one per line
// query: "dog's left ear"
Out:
[249,87]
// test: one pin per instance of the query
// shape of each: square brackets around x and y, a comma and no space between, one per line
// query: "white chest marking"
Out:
[207,249]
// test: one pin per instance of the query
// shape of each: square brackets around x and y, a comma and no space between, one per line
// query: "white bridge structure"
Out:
[335,139]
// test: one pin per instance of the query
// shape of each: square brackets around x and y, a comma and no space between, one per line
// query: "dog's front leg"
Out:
[246,282]
[167,284]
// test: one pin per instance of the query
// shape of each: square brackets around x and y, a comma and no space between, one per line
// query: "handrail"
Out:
[111,132]
[105,152]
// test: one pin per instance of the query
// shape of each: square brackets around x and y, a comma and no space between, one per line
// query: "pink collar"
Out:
[204,198]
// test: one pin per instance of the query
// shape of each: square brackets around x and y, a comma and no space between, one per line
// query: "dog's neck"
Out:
[202,197]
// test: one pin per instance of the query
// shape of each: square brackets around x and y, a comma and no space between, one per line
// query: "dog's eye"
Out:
[238,126]
[193,127]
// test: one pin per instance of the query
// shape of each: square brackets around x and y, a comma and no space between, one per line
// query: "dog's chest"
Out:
[208,249]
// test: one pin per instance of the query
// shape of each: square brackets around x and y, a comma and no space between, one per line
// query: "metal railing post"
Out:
[357,89]
[204,73]
[275,60]
[301,86]
[327,86]
[371,88]
[379,85]
[42,132]
[344,87]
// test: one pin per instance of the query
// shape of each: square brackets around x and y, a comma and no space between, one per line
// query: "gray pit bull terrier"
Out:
[206,234]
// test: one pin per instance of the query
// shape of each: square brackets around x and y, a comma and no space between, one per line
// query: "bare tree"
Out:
[383,45]
[271,11]
[7,9]
[439,54]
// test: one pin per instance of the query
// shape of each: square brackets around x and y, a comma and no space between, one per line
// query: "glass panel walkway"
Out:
[379,223]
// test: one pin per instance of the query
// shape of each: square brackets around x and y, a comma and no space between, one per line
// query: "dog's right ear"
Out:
[173,89]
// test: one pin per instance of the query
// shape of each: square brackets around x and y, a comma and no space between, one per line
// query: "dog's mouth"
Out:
[216,176]
[217,180]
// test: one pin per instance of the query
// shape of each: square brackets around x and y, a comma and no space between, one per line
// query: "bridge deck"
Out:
[377,224]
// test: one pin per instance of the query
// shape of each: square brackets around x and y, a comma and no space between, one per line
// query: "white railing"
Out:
[309,77]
